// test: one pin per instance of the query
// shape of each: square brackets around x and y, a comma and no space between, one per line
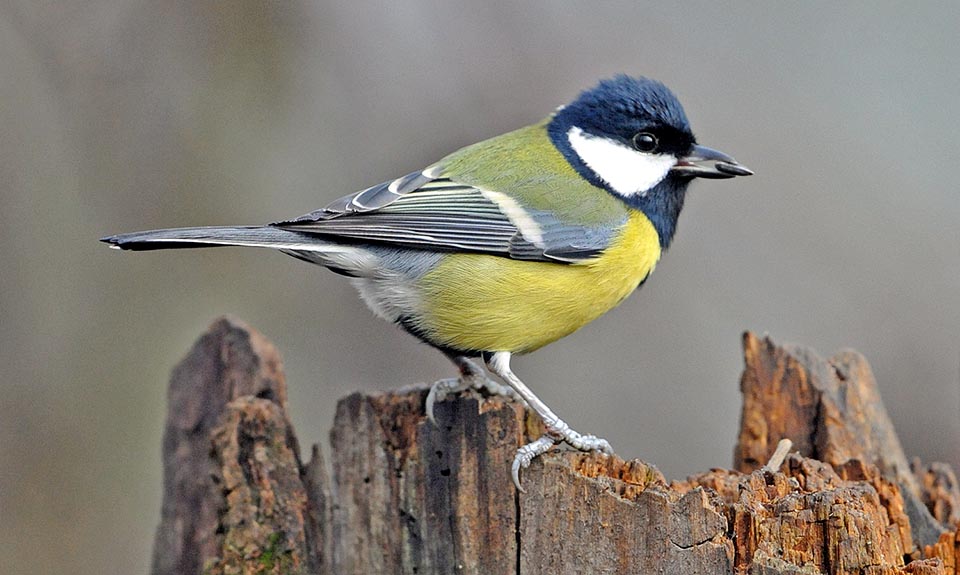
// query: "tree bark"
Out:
[408,496]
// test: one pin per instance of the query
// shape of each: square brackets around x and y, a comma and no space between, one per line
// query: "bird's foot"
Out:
[440,390]
[528,453]
[557,432]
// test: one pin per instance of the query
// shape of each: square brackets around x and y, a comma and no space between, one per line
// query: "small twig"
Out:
[779,454]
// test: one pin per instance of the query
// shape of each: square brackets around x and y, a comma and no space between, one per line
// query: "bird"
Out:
[509,244]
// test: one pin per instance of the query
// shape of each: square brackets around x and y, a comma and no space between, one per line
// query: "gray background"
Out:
[117,116]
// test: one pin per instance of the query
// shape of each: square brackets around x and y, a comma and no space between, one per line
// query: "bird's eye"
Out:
[645,142]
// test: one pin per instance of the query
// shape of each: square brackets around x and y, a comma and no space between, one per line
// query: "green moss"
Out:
[269,557]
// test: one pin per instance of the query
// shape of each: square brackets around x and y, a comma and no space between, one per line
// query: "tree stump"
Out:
[408,496]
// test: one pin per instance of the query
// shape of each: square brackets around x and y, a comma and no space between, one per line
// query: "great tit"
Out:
[509,244]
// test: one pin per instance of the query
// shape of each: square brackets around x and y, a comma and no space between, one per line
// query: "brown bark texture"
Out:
[404,495]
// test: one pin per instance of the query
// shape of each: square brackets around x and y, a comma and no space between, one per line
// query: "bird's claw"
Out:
[493,388]
[439,391]
[527,453]
[445,387]
[589,443]
[564,434]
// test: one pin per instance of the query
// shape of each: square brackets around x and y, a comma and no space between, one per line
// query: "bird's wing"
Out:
[428,210]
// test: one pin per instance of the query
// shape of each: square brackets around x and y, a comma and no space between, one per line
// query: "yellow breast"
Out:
[490,303]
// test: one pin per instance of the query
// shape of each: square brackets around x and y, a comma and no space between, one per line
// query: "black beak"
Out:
[704,162]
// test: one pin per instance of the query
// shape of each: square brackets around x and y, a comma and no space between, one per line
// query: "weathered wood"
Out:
[940,490]
[832,411]
[408,496]
[264,528]
[319,523]
[414,497]
[227,362]
[806,516]
[597,514]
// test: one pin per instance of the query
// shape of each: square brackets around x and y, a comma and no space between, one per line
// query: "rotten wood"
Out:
[228,362]
[414,497]
[940,490]
[408,496]
[832,411]
[264,528]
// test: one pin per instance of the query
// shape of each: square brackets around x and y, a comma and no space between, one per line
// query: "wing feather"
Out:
[423,210]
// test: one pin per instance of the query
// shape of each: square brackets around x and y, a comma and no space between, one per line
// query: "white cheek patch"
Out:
[626,170]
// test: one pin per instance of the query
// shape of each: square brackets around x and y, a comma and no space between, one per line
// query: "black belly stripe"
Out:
[411,327]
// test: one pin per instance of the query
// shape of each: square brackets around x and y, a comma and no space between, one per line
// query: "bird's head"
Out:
[631,137]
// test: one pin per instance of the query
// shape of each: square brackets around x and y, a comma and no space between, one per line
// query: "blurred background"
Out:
[126,115]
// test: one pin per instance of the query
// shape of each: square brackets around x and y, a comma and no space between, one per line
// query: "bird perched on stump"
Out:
[509,244]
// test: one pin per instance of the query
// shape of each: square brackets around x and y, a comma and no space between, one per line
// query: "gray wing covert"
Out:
[422,210]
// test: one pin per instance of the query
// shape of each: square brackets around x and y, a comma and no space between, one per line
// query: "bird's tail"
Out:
[354,261]
[206,237]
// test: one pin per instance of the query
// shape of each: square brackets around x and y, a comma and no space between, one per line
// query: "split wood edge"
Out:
[406,496]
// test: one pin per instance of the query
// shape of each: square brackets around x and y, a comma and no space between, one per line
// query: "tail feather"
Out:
[350,260]
[205,237]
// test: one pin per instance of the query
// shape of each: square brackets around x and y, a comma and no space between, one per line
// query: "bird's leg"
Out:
[557,429]
[471,376]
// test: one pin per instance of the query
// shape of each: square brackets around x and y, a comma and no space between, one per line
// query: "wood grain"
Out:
[408,496]
[832,411]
